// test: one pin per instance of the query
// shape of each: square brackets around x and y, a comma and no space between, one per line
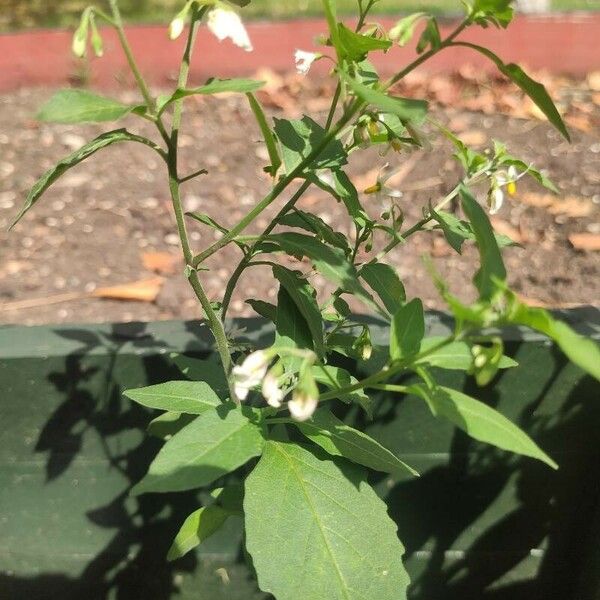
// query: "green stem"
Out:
[216,325]
[277,189]
[139,78]
[245,262]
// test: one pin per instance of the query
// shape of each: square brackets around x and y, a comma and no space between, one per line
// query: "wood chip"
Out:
[146,290]
[570,206]
[585,241]
[162,263]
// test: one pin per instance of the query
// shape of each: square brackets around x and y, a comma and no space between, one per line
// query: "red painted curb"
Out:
[566,44]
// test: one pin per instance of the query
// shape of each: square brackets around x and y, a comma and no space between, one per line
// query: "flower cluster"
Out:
[254,371]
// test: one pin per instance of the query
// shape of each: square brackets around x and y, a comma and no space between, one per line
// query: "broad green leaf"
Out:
[304,296]
[199,526]
[409,110]
[336,378]
[344,191]
[230,498]
[215,86]
[165,426]
[430,36]
[309,222]
[339,439]
[407,331]
[212,445]
[497,12]
[264,309]
[355,46]
[80,106]
[190,397]
[584,352]
[334,539]
[300,138]
[457,231]
[492,265]
[291,330]
[384,281]
[454,356]
[51,175]
[331,263]
[536,91]
[480,421]
[208,370]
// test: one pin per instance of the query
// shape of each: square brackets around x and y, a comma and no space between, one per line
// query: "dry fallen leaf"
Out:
[146,290]
[570,206]
[474,137]
[520,236]
[593,80]
[163,263]
[585,241]
[580,122]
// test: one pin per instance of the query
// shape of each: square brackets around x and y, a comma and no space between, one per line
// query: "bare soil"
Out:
[93,228]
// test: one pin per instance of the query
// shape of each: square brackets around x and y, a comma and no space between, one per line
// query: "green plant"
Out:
[314,527]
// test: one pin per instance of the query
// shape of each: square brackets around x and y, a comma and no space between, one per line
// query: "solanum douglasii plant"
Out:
[314,528]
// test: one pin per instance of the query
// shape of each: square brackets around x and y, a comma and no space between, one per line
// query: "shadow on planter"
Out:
[478,524]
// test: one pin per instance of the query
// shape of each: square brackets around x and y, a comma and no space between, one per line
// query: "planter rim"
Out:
[164,337]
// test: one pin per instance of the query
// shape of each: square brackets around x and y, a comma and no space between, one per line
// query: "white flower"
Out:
[271,391]
[502,179]
[225,23]
[304,60]
[250,373]
[380,189]
[176,27]
[302,405]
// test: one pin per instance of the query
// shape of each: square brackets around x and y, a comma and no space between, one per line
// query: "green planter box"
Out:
[478,524]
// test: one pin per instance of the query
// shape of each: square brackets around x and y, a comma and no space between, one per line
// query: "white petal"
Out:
[304,61]
[226,23]
[496,200]
[256,363]
[302,407]
[271,391]
[513,174]
[176,28]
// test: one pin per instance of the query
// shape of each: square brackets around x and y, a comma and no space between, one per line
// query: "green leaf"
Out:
[492,265]
[212,445]
[190,397]
[335,540]
[536,91]
[408,330]
[208,370]
[268,136]
[165,426]
[309,222]
[355,46]
[304,296]
[497,12]
[336,378]
[384,281]
[454,356]
[80,106]
[339,439]
[404,29]
[199,526]
[584,352]
[331,263]
[301,137]
[430,36]
[409,110]
[291,328]
[214,86]
[50,176]
[264,309]
[480,421]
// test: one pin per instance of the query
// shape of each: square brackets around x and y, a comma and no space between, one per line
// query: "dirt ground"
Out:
[101,223]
